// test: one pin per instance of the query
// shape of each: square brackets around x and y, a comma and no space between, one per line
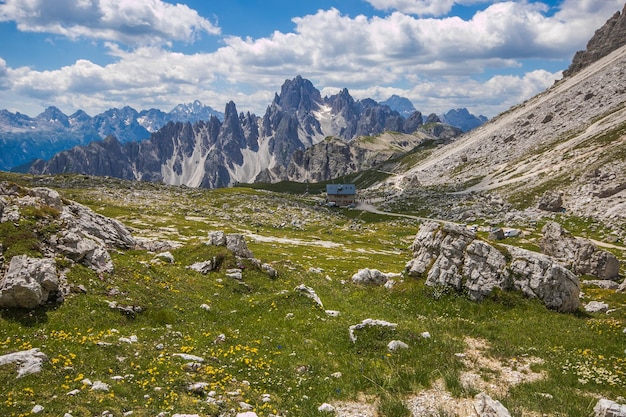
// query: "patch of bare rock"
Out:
[66,230]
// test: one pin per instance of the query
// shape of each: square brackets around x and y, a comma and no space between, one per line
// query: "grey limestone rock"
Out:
[496,234]
[451,256]
[551,201]
[485,269]
[204,267]
[541,276]
[608,408]
[236,243]
[611,36]
[485,406]
[596,307]
[369,277]
[606,284]
[112,232]
[581,255]
[30,361]
[29,282]
[310,293]
[83,248]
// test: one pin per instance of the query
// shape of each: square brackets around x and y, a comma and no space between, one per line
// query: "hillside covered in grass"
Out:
[155,337]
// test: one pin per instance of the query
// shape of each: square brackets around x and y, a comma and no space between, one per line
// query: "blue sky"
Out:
[486,55]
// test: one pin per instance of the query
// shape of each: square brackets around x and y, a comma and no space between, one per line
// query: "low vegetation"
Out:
[263,343]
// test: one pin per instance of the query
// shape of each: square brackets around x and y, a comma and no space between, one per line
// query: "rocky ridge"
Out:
[570,139]
[247,148]
[605,40]
[25,138]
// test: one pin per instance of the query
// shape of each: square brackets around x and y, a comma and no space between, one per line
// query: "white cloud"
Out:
[136,22]
[434,62]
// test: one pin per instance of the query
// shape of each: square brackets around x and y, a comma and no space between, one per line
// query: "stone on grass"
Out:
[165,256]
[582,256]
[496,234]
[188,357]
[596,307]
[84,249]
[485,406]
[37,409]
[247,414]
[551,201]
[236,243]
[204,267]
[605,284]
[234,273]
[217,238]
[368,323]
[269,270]
[245,406]
[198,387]
[310,293]
[396,345]
[326,408]
[608,408]
[29,282]
[368,276]
[100,386]
[30,361]
[450,256]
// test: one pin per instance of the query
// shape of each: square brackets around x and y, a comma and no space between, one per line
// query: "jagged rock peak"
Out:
[53,115]
[605,40]
[298,95]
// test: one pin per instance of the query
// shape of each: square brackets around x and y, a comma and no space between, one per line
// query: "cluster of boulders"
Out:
[450,255]
[580,255]
[78,234]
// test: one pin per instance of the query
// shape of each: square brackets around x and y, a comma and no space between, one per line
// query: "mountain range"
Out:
[24,139]
[246,148]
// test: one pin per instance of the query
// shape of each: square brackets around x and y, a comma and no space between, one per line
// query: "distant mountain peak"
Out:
[462,119]
[400,104]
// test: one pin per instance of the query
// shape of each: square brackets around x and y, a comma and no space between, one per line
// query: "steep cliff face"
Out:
[607,39]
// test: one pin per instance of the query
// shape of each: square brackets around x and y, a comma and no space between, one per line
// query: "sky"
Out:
[484,55]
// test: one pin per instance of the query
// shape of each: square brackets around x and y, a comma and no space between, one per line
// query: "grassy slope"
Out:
[278,342]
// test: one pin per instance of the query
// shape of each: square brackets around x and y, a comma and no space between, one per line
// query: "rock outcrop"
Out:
[29,283]
[58,228]
[450,255]
[605,40]
[242,147]
[551,201]
[580,255]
